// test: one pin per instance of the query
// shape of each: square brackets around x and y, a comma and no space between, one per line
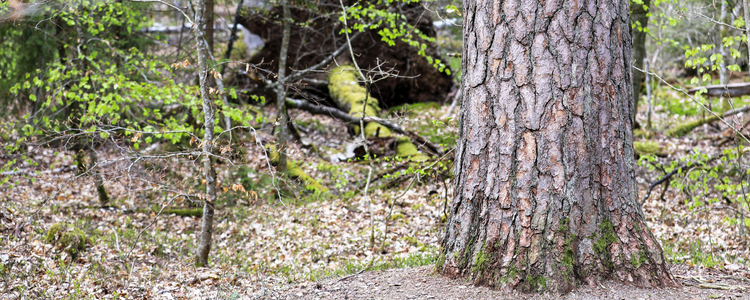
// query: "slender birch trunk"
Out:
[204,239]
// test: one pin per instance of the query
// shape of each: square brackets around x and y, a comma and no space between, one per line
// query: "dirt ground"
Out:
[422,283]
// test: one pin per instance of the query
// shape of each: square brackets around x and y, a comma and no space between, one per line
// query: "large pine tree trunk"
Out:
[545,194]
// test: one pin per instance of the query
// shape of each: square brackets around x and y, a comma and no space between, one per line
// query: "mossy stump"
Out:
[68,238]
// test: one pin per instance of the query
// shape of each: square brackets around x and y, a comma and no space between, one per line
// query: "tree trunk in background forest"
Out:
[725,104]
[746,13]
[77,112]
[210,25]
[204,239]
[545,194]
[283,117]
[639,16]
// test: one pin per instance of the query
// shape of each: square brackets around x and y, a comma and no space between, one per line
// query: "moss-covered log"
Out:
[354,121]
[182,212]
[294,171]
[354,99]
[683,129]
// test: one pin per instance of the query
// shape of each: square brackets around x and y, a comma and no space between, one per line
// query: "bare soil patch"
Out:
[423,283]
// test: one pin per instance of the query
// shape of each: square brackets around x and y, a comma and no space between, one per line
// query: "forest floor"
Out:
[305,246]
[423,283]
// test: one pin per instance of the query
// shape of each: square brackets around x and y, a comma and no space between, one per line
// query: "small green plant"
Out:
[638,259]
[537,283]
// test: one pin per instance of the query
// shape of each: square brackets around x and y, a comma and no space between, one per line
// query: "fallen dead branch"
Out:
[338,114]
[705,284]
[726,90]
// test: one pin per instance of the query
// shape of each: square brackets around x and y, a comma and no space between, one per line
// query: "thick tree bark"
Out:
[205,236]
[545,194]
[639,17]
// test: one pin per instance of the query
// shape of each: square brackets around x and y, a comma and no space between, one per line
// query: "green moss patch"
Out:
[344,87]
[415,107]
[607,237]
[184,212]
[638,259]
[481,260]
[374,129]
[440,261]
[644,134]
[67,238]
[647,147]
[537,283]
[405,148]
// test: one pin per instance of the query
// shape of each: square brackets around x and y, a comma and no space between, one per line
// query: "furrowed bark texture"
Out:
[204,239]
[545,194]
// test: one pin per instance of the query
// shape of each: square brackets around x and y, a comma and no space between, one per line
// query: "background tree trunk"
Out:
[725,101]
[746,14]
[545,194]
[640,18]
[283,116]
[204,239]
[209,15]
